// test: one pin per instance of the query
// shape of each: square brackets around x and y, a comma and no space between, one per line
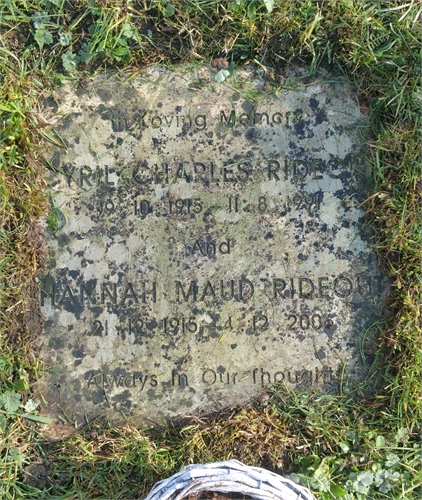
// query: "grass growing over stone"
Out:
[360,444]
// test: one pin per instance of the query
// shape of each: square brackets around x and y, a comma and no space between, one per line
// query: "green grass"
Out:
[362,444]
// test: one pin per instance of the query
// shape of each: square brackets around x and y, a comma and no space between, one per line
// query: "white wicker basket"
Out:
[229,476]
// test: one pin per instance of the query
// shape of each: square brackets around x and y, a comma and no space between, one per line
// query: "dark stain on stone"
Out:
[185,130]
[247,107]
[152,395]
[57,343]
[69,119]
[300,129]
[104,94]
[48,323]
[96,310]
[57,162]
[74,307]
[95,396]
[123,399]
[152,325]
[79,352]
[64,240]
[51,103]
[321,117]
[76,386]
[321,354]
[105,112]
[166,385]
[252,135]
[313,103]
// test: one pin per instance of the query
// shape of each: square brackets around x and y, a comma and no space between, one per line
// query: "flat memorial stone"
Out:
[210,243]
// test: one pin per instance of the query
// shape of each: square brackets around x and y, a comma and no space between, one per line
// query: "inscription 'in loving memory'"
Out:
[230,119]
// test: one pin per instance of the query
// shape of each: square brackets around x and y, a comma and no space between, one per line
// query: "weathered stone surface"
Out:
[210,243]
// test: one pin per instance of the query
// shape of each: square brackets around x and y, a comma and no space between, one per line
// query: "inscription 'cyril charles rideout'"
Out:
[203,240]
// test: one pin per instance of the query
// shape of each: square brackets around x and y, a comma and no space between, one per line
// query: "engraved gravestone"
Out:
[208,242]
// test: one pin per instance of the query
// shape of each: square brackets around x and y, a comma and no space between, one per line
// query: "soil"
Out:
[36,475]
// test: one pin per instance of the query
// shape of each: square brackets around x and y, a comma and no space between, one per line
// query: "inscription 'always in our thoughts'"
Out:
[100,386]
[205,245]
[211,377]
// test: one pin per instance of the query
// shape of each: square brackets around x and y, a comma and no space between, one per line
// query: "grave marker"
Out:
[210,242]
